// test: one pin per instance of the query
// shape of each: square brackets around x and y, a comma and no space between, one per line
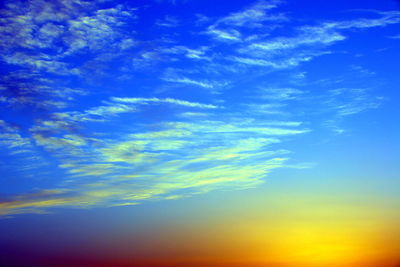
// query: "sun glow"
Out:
[315,231]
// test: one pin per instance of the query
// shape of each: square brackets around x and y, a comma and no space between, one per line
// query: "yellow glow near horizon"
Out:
[311,231]
[320,246]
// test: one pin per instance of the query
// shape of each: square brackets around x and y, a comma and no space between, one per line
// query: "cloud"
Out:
[274,64]
[6,127]
[215,127]
[157,164]
[306,42]
[184,80]
[12,140]
[255,62]
[89,169]
[42,38]
[198,54]
[313,36]
[109,110]
[228,28]
[253,15]
[42,24]
[35,202]
[165,100]
[231,35]
[280,94]
[349,101]
[266,109]
[387,18]
[112,109]
[168,21]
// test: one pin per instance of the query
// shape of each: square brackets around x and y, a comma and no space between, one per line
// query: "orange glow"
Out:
[302,232]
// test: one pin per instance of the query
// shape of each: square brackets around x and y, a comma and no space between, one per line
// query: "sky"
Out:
[199,133]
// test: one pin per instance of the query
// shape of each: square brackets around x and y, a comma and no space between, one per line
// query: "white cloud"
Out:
[162,100]
[280,94]
[168,21]
[230,35]
[253,16]
[185,80]
[255,62]
[199,53]
[387,18]
[109,110]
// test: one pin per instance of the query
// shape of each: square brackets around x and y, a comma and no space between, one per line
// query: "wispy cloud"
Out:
[253,16]
[349,101]
[12,140]
[165,100]
[168,21]
[230,35]
[307,42]
[280,94]
[35,202]
[194,157]
[387,18]
[314,36]
[199,53]
[255,62]
[41,38]
[184,80]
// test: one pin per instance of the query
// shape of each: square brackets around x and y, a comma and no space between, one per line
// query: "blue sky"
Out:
[110,103]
